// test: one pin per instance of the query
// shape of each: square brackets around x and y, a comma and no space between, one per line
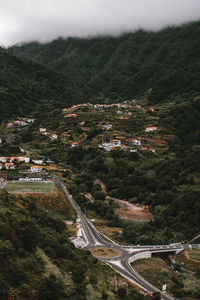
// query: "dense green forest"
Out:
[39,262]
[126,66]
[24,85]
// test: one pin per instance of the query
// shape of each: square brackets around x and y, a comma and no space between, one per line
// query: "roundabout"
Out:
[103,252]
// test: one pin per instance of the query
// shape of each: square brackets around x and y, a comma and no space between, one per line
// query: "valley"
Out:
[100,150]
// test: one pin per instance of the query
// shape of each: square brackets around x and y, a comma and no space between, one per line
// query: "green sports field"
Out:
[21,187]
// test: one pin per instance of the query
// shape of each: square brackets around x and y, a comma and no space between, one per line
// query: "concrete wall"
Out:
[146,254]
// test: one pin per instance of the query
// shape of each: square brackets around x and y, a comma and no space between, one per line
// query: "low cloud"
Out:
[44,20]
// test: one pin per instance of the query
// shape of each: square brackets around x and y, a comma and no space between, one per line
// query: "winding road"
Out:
[121,263]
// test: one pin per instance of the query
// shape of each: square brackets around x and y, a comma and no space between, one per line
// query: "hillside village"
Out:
[128,126]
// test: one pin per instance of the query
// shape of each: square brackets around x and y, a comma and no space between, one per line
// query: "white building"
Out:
[136,142]
[20,123]
[53,136]
[30,120]
[36,169]
[1,166]
[150,129]
[42,130]
[78,242]
[111,145]
[37,161]
[107,127]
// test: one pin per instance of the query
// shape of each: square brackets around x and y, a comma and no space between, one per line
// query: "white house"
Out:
[136,142]
[150,129]
[9,125]
[107,126]
[30,120]
[119,112]
[37,161]
[20,123]
[25,159]
[42,130]
[36,169]
[53,136]
[111,145]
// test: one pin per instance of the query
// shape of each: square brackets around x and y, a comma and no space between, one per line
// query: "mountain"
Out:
[167,62]
[25,84]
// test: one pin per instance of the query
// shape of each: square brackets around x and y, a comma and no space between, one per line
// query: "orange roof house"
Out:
[74,144]
[153,128]
[9,166]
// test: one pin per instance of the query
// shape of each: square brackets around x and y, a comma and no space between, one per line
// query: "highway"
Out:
[120,263]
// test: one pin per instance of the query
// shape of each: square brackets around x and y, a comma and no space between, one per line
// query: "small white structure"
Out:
[1,166]
[111,145]
[25,159]
[9,166]
[36,169]
[119,112]
[69,223]
[0,140]
[42,130]
[30,120]
[78,242]
[20,123]
[150,129]
[9,125]
[37,161]
[107,126]
[53,136]
[164,287]
[136,142]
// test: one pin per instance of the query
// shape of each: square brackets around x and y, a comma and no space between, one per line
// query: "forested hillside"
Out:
[127,66]
[24,85]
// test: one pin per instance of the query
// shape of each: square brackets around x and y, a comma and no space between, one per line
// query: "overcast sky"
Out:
[44,20]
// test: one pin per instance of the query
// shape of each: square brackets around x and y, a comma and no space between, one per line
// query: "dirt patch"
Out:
[104,252]
[89,197]
[131,211]
[99,182]
[157,141]
[193,255]
[111,232]
[127,210]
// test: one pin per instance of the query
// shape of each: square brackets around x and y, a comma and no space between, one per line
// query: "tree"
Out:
[156,296]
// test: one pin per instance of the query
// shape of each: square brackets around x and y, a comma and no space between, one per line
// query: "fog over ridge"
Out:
[27,20]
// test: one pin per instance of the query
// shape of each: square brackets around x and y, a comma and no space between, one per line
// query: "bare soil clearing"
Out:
[131,211]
